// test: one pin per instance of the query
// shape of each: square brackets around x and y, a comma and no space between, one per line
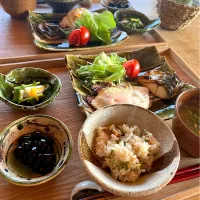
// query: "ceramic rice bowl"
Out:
[45,124]
[164,167]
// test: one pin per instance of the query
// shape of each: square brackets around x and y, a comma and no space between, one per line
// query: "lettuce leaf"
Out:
[103,69]
[99,25]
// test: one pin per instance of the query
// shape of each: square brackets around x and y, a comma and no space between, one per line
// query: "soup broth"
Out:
[190,115]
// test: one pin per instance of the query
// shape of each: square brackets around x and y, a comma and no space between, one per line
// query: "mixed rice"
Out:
[126,150]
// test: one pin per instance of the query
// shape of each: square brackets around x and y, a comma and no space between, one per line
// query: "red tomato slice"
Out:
[79,37]
[132,68]
[74,38]
[85,35]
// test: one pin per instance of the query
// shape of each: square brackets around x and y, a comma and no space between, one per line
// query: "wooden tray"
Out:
[23,48]
[133,42]
[65,108]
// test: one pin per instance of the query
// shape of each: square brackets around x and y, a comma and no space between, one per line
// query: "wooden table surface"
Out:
[16,40]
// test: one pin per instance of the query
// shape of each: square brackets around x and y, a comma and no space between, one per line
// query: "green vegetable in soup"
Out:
[98,24]
[190,114]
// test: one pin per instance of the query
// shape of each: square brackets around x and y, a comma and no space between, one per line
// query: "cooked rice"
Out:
[126,150]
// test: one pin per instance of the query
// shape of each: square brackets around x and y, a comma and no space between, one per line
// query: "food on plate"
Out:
[132,22]
[104,78]
[30,93]
[69,20]
[112,79]
[51,31]
[189,112]
[94,75]
[132,68]
[126,150]
[104,69]
[36,151]
[119,4]
[162,84]
[91,26]
[99,25]
[79,37]
[122,94]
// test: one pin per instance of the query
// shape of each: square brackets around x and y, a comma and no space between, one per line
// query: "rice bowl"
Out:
[126,150]
[166,160]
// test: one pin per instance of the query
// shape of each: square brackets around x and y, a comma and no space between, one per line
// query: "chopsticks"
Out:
[181,175]
[101,196]
[186,174]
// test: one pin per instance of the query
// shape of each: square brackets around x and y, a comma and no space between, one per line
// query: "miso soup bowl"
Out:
[167,159]
[45,124]
[189,141]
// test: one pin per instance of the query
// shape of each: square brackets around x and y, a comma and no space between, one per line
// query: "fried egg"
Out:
[122,94]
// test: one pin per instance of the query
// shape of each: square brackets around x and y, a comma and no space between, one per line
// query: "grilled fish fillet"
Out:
[164,85]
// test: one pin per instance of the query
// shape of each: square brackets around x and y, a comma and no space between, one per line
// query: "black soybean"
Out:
[32,153]
[48,158]
[36,151]
[48,149]
[43,144]
[26,145]
[24,139]
[19,151]
[49,140]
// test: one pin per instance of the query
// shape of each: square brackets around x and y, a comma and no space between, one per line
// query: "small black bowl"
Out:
[105,3]
[61,6]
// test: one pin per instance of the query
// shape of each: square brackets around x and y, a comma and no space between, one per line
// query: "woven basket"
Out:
[175,16]
[18,8]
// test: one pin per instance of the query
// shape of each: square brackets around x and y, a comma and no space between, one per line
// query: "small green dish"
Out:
[21,76]
[13,170]
[148,24]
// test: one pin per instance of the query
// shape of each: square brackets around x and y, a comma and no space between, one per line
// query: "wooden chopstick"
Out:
[101,196]
[187,169]
[181,175]
[185,176]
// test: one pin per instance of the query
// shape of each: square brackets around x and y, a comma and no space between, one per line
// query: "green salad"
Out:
[98,24]
[104,69]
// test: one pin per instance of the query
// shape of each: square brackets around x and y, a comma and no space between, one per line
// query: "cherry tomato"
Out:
[79,37]
[74,38]
[85,35]
[132,68]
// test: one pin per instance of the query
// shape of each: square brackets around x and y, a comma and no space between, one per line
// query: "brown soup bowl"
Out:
[189,141]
